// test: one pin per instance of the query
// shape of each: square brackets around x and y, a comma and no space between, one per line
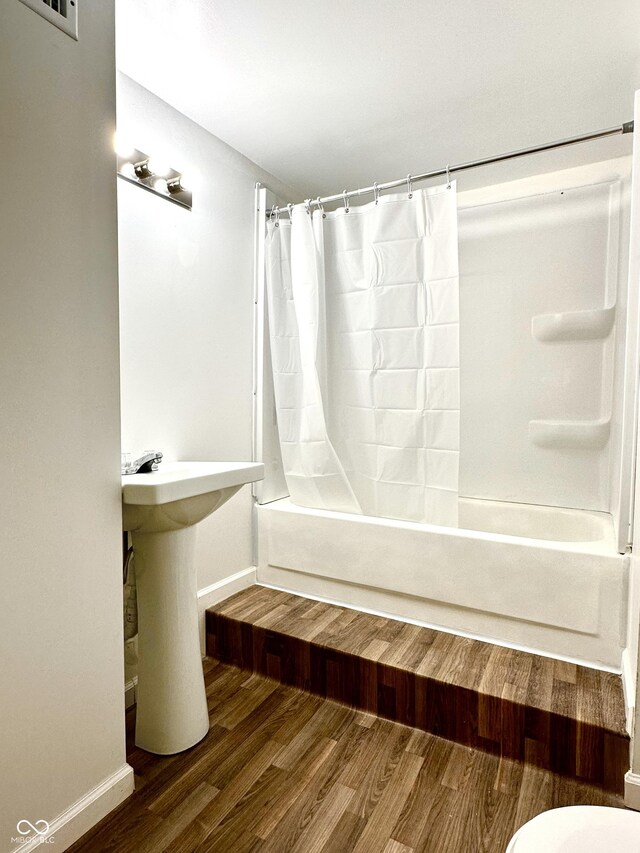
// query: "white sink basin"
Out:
[180,494]
[160,510]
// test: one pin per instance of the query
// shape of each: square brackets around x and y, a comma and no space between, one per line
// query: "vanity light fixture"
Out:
[175,185]
[153,175]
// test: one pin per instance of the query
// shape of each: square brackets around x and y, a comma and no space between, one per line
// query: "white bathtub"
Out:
[534,577]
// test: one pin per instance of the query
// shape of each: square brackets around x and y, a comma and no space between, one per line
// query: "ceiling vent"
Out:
[62,13]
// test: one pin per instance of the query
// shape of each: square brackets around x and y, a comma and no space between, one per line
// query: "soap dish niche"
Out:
[580,435]
[595,324]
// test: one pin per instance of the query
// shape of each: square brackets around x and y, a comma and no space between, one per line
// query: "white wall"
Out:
[62,731]
[186,291]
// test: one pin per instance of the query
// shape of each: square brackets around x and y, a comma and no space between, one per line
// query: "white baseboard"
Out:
[629,689]
[85,813]
[220,590]
[632,790]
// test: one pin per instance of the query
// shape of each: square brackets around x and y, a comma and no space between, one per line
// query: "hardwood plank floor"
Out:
[554,714]
[300,774]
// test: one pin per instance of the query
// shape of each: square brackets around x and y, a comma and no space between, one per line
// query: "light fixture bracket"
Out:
[134,168]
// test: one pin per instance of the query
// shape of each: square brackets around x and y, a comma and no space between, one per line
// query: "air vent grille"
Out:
[59,6]
[62,13]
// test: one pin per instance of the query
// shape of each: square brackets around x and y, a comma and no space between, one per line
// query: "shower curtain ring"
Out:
[409,188]
[321,207]
[272,214]
[277,222]
[346,201]
[376,193]
[290,211]
[448,178]
[307,206]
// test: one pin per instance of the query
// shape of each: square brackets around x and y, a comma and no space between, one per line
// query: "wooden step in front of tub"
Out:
[555,715]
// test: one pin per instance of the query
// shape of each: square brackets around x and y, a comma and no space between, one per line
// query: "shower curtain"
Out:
[363,323]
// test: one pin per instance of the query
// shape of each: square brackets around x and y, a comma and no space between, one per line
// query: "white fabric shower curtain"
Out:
[363,320]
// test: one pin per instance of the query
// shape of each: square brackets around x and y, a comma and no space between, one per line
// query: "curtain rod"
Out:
[627,127]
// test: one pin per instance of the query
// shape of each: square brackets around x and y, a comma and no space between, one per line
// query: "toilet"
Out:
[579,829]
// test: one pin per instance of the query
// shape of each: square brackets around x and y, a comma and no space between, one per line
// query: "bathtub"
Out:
[538,578]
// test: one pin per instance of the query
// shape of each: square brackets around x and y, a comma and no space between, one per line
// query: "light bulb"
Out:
[159,166]
[188,182]
[128,170]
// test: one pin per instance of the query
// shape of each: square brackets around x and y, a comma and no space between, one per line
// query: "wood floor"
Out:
[556,715]
[284,771]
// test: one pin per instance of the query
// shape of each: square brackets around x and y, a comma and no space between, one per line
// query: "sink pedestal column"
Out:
[172,710]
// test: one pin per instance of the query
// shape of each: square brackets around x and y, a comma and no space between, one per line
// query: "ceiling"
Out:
[339,93]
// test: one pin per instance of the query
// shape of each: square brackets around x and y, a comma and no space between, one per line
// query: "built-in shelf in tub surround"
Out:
[591,325]
[550,713]
[579,435]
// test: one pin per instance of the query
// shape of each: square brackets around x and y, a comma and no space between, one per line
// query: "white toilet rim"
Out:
[560,824]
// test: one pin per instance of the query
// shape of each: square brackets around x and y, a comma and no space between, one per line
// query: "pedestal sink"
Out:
[160,510]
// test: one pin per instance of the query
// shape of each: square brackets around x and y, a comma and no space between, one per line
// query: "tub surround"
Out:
[555,715]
